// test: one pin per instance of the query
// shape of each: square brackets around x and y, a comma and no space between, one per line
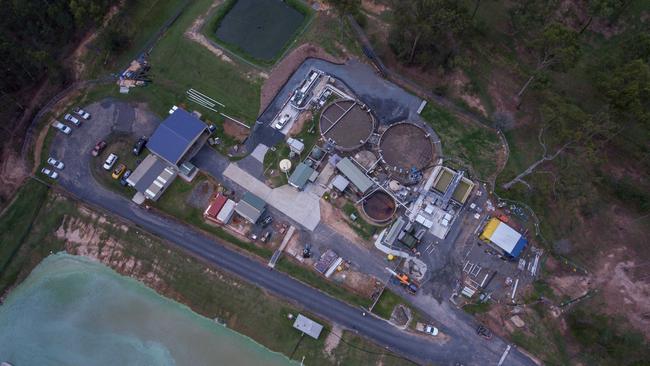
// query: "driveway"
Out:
[461,346]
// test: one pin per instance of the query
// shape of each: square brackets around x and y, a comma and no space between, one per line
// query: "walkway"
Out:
[302,207]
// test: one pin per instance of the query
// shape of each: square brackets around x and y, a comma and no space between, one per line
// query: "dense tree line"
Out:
[33,35]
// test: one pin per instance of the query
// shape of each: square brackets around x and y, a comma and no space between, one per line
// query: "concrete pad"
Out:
[259,152]
[302,207]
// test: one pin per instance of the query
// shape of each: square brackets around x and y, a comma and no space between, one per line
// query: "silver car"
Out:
[81,113]
[58,164]
[110,161]
[50,173]
[61,127]
[71,118]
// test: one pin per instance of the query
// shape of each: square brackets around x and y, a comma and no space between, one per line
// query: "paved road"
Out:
[76,178]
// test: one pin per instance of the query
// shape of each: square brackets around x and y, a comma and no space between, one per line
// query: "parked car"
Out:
[101,145]
[267,221]
[281,122]
[70,118]
[265,237]
[61,127]
[139,145]
[306,252]
[117,172]
[58,164]
[50,173]
[126,175]
[81,113]
[483,331]
[212,129]
[110,161]
[431,330]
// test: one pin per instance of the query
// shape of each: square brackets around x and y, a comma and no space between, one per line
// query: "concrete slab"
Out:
[259,152]
[302,207]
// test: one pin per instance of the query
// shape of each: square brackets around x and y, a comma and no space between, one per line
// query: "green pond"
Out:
[259,28]
[73,311]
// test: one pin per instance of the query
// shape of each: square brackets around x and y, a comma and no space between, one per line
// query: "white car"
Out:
[50,173]
[81,113]
[431,330]
[110,161]
[71,118]
[61,127]
[283,121]
[58,164]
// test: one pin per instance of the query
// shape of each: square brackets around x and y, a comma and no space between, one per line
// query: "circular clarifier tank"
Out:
[347,124]
[380,207]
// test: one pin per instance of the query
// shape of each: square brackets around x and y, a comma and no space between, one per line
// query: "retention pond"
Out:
[73,311]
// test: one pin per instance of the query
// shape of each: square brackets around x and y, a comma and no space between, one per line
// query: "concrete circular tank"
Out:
[347,124]
[379,207]
[405,145]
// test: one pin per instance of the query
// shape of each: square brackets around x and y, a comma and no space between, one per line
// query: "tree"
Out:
[628,92]
[531,16]
[421,27]
[570,127]
[346,6]
[557,48]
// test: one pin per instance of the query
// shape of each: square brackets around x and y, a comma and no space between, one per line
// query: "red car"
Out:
[98,148]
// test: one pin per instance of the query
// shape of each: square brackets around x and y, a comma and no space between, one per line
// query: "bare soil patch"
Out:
[283,70]
[235,130]
[333,218]
[299,124]
[373,7]
[361,283]
[333,339]
[13,172]
[193,33]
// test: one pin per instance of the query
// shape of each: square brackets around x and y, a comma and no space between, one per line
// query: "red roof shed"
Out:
[215,206]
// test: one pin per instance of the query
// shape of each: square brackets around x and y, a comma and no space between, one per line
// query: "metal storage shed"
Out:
[151,177]
[504,237]
[250,207]
[308,326]
[354,174]
[226,212]
[301,175]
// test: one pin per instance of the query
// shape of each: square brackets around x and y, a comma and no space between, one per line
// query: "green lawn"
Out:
[309,135]
[310,277]
[178,64]
[465,145]
[16,222]
[138,21]
[364,229]
[386,303]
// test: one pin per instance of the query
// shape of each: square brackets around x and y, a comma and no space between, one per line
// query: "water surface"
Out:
[73,311]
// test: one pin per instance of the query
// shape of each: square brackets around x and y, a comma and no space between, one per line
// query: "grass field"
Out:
[364,229]
[386,303]
[15,225]
[466,145]
[244,307]
[174,72]
[312,278]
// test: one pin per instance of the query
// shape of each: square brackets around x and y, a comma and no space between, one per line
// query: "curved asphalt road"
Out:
[77,179]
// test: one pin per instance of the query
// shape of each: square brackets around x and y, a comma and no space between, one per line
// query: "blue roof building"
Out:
[176,135]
